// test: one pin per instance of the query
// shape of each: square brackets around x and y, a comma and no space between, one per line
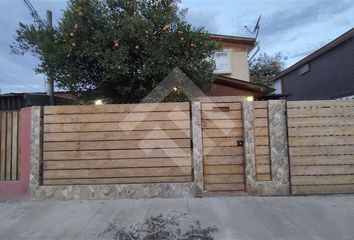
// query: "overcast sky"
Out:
[296,28]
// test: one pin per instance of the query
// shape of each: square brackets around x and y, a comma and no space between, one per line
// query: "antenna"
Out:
[256,27]
[34,14]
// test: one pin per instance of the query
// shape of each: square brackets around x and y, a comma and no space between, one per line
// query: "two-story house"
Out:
[232,75]
[327,73]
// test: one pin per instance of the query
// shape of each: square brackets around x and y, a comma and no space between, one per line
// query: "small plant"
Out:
[174,226]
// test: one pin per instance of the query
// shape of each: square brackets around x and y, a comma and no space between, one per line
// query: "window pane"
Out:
[222,62]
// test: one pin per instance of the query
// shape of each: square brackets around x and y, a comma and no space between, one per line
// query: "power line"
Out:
[34,13]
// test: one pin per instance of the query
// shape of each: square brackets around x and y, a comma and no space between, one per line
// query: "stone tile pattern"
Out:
[197,147]
[99,192]
[279,152]
[279,145]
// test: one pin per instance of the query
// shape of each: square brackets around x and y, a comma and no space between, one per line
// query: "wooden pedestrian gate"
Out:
[223,153]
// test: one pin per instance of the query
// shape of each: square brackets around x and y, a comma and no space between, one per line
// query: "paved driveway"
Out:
[322,217]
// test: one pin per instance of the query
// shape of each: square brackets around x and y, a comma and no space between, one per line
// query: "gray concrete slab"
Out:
[315,217]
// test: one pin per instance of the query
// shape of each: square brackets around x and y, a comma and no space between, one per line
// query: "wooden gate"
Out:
[321,146]
[223,147]
[9,147]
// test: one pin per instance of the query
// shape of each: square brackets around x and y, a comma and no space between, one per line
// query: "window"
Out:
[222,62]
[304,69]
[278,86]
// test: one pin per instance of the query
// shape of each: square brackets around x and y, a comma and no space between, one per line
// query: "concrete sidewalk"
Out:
[322,217]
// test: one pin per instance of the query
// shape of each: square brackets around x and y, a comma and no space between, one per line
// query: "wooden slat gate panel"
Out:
[9,146]
[114,144]
[223,147]
[321,146]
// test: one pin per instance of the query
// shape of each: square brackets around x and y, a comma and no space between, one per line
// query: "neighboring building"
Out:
[16,101]
[328,73]
[232,74]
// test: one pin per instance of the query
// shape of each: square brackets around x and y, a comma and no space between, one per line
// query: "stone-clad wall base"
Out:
[123,191]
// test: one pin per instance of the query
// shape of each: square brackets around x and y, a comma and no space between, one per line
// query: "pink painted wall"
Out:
[14,190]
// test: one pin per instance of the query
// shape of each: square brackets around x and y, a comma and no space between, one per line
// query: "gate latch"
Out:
[239,143]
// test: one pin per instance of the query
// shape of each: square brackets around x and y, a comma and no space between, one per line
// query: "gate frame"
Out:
[19,189]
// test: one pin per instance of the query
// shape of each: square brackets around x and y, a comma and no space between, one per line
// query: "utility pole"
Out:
[50,79]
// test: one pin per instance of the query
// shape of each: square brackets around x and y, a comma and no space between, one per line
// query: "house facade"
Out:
[328,73]
[232,75]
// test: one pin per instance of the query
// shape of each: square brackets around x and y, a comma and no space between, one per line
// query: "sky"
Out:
[293,27]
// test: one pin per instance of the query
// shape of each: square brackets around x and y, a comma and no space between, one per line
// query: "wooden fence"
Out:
[321,146]
[111,144]
[9,146]
[261,131]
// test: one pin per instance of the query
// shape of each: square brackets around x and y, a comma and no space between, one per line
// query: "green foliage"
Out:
[265,67]
[118,50]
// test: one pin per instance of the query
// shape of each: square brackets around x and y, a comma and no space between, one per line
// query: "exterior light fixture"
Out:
[175,89]
[98,102]
[250,98]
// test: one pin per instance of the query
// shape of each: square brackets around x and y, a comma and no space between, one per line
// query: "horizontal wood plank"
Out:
[222,151]
[145,180]
[260,113]
[117,117]
[261,131]
[221,115]
[223,160]
[117,154]
[320,112]
[224,169]
[220,133]
[225,187]
[316,160]
[320,104]
[263,168]
[221,124]
[123,172]
[263,159]
[320,180]
[322,170]
[114,145]
[324,140]
[262,141]
[260,104]
[321,150]
[226,178]
[117,108]
[117,163]
[119,126]
[124,135]
[262,150]
[211,106]
[322,122]
[321,131]
[261,122]
[319,189]
[220,142]
[263,177]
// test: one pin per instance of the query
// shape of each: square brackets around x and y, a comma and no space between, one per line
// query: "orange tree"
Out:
[118,50]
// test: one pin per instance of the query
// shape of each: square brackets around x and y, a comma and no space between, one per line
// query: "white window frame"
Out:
[304,69]
[223,71]
[278,86]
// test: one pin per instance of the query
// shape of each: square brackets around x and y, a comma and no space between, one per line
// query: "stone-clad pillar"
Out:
[249,147]
[197,147]
[36,151]
[279,145]
[279,184]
